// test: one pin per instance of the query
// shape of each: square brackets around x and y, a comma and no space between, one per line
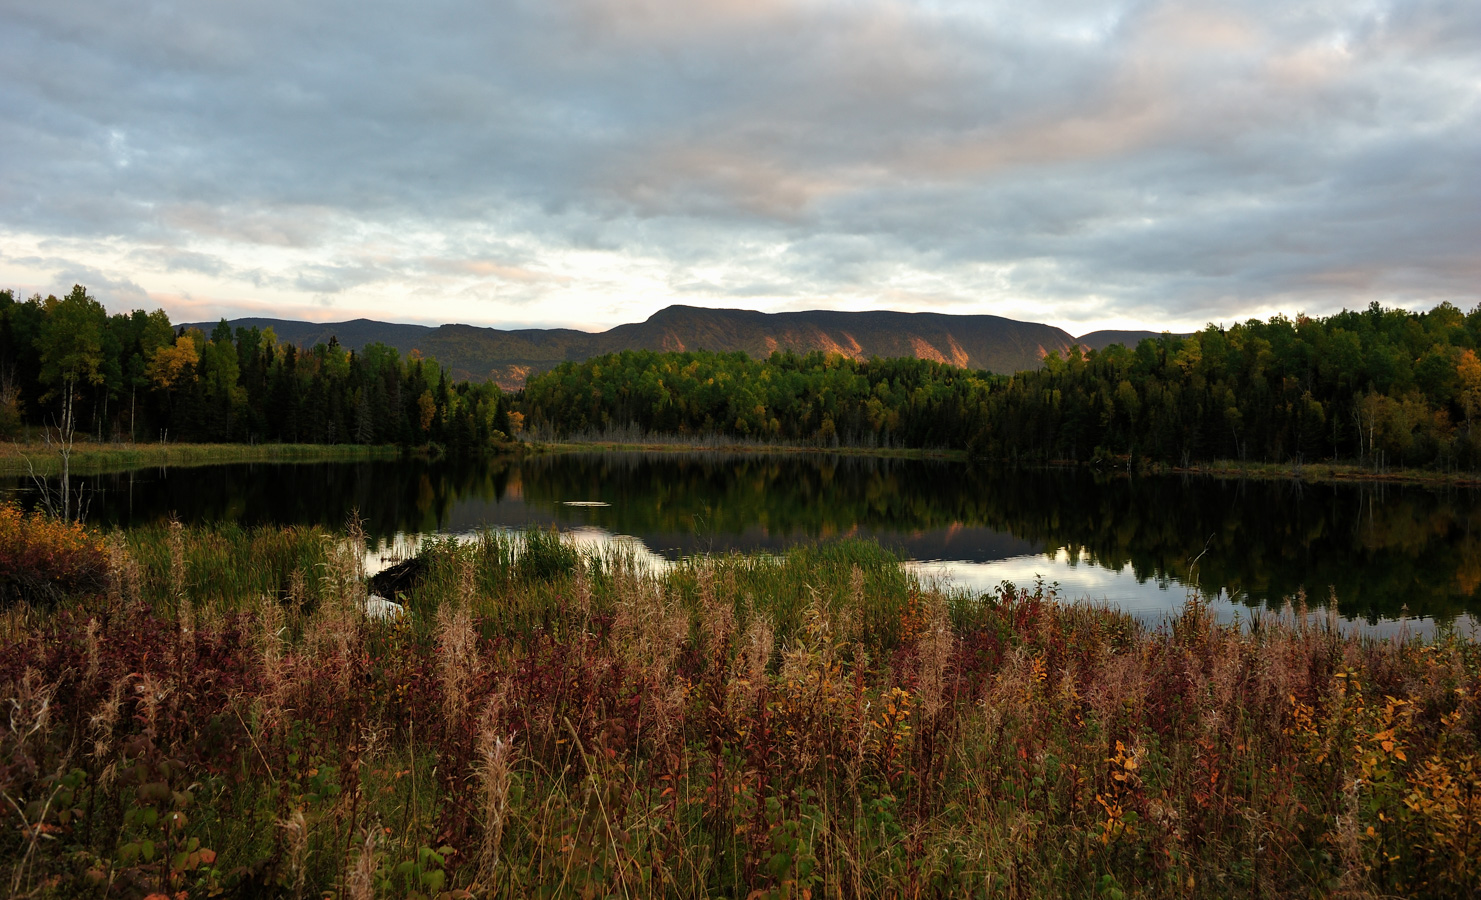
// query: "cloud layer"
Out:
[587,162]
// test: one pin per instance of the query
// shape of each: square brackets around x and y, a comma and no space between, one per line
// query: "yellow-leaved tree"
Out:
[169,365]
[1469,370]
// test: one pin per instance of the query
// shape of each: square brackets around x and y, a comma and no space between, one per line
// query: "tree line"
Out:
[135,376]
[814,397]
[1386,387]
[1380,386]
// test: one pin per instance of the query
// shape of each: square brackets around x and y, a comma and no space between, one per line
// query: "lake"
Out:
[1387,552]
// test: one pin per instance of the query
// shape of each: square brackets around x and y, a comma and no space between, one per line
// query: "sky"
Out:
[585,163]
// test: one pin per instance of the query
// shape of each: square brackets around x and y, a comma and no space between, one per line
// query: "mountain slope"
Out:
[975,342]
[355,333]
[1100,340]
[507,357]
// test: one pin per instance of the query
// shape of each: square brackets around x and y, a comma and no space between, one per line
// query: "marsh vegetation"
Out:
[217,714]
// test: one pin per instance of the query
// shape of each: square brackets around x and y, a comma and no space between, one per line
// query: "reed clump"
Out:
[814,724]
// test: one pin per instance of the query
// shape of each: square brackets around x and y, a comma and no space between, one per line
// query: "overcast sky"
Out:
[587,162]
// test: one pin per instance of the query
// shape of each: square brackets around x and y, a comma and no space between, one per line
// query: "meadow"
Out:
[198,712]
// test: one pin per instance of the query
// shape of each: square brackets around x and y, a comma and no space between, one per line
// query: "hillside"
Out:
[974,342]
[355,333]
[507,357]
[1100,340]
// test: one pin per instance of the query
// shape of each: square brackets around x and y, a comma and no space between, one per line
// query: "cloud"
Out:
[104,285]
[1084,162]
[172,259]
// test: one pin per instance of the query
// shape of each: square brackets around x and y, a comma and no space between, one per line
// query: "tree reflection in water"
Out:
[1379,547]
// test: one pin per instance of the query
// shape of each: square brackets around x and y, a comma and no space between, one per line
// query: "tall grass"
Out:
[549,722]
[229,566]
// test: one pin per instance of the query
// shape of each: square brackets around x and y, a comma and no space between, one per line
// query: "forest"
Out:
[822,398]
[1385,387]
[134,376]
[1382,387]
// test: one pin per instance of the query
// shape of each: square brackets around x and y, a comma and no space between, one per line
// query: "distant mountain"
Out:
[1100,340]
[974,342]
[508,357]
[355,333]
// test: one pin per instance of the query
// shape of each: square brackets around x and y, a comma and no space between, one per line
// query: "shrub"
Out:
[43,559]
[10,413]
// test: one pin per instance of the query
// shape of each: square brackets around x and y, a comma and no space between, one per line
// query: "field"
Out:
[209,712]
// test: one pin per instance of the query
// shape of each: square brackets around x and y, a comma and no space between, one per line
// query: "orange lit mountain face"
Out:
[508,357]
[974,342]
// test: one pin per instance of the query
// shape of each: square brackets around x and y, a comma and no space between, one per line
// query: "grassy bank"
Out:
[1329,472]
[1312,473]
[93,458]
[723,446]
[218,715]
[1309,472]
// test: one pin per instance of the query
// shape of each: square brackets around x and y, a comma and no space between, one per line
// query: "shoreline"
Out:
[1309,473]
[95,459]
[740,448]
[1324,473]
[91,459]
[1312,473]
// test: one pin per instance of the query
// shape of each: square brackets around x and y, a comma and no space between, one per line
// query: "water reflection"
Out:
[1133,541]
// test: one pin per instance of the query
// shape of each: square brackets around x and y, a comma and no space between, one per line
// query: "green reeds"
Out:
[229,566]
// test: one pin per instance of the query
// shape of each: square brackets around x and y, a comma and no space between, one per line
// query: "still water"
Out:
[1388,553]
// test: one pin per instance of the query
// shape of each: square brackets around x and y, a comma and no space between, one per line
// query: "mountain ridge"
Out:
[508,356]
